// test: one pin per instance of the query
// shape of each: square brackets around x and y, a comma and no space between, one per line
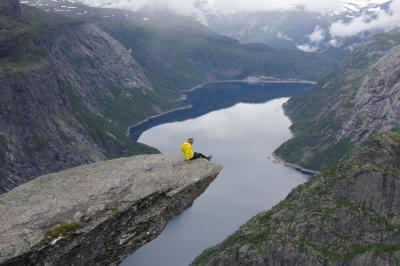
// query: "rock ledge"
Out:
[99,213]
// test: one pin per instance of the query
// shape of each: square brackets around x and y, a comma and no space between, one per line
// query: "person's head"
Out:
[190,140]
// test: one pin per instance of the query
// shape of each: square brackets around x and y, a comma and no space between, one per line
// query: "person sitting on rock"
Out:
[186,148]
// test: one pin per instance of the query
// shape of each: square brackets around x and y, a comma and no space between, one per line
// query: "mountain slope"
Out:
[348,215]
[69,91]
[181,53]
[345,108]
[178,52]
[10,8]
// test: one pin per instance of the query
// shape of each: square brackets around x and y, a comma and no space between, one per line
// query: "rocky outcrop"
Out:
[344,109]
[10,8]
[348,215]
[377,102]
[38,134]
[99,213]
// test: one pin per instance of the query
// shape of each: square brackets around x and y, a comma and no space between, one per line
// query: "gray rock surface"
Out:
[377,102]
[347,215]
[104,211]
[89,59]
[10,8]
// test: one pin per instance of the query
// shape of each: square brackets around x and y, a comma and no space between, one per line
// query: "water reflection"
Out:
[216,96]
[241,138]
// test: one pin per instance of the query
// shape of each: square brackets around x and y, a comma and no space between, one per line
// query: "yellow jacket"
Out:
[187,150]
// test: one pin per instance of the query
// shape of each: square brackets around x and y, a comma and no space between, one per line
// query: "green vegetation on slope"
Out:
[112,136]
[178,53]
[60,230]
[30,32]
[22,38]
[336,217]
[318,114]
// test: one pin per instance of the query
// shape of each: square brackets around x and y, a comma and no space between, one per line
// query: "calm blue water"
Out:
[241,125]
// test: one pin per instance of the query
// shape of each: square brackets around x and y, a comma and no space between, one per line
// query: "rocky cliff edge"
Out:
[99,213]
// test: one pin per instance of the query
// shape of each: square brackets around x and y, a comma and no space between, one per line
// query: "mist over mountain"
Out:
[307,25]
[306,29]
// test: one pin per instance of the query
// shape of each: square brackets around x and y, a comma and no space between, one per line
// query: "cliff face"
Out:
[348,215]
[97,214]
[85,56]
[69,92]
[344,109]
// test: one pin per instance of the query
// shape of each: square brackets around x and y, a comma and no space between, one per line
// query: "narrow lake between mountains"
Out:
[241,125]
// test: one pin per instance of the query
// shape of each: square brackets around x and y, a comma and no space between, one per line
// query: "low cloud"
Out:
[308,48]
[318,35]
[259,5]
[190,6]
[182,7]
[383,20]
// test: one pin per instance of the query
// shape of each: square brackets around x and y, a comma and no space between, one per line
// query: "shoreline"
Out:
[248,80]
[158,115]
[254,80]
[279,160]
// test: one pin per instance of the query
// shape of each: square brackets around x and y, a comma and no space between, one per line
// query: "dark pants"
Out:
[198,155]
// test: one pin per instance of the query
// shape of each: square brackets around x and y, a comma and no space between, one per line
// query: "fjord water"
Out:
[241,137]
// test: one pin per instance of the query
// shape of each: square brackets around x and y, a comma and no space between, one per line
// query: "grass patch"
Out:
[16,64]
[60,230]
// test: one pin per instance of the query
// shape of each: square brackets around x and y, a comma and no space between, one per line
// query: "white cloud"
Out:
[384,20]
[318,35]
[335,43]
[189,6]
[182,7]
[257,5]
[307,48]
[315,37]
